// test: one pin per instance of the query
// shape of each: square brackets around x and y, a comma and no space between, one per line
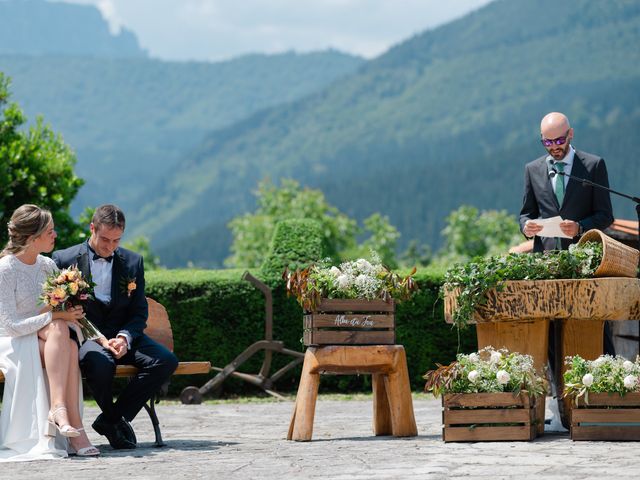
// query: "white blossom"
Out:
[473,376]
[630,381]
[364,265]
[344,281]
[335,271]
[598,362]
[587,380]
[495,357]
[474,357]
[627,365]
[503,377]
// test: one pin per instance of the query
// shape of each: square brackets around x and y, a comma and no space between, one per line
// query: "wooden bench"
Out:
[159,329]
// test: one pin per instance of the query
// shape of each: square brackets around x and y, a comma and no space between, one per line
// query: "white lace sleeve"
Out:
[12,323]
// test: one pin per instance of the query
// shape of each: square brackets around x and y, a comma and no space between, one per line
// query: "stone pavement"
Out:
[248,440]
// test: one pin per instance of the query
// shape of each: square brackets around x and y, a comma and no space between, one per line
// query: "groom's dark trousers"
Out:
[127,314]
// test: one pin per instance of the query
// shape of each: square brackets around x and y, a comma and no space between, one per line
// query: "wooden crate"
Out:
[607,417]
[351,322]
[488,417]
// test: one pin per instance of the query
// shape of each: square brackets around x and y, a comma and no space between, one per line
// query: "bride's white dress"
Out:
[25,403]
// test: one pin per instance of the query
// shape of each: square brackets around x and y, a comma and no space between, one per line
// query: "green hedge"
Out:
[215,315]
[296,243]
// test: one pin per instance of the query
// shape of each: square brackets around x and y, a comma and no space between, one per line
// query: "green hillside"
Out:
[132,121]
[448,117]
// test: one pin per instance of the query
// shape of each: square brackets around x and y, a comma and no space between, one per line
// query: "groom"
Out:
[120,312]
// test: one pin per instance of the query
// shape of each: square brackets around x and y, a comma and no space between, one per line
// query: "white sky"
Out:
[221,29]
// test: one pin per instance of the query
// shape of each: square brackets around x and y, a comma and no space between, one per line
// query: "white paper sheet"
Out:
[550,227]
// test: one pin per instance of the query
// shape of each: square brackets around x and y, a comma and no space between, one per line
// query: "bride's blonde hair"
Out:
[26,222]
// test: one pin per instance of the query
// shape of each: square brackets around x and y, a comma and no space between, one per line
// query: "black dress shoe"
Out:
[113,432]
[127,430]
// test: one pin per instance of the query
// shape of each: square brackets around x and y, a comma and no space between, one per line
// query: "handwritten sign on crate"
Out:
[351,322]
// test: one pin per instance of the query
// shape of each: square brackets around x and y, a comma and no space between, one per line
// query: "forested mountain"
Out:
[132,121]
[448,117]
[37,27]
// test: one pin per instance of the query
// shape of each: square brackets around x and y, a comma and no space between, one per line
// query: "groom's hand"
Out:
[118,346]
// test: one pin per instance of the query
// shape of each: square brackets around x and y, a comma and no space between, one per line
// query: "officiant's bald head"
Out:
[556,134]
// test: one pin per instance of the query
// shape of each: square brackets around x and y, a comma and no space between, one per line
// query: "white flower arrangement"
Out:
[605,374]
[359,279]
[486,371]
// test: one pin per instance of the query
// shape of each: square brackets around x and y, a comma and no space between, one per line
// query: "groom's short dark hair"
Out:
[109,216]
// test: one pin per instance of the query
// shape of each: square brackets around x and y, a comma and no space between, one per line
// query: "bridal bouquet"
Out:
[605,374]
[354,279]
[67,289]
[486,371]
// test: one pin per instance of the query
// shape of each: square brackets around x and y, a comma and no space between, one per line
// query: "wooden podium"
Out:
[518,318]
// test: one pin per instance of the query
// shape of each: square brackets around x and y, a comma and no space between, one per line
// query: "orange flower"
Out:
[59,295]
[131,286]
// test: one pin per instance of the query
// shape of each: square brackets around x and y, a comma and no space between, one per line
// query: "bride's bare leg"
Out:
[73,397]
[73,386]
[55,357]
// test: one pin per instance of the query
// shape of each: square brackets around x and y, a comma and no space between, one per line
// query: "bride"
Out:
[33,338]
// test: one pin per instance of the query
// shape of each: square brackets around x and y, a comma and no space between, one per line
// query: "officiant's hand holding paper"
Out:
[548,227]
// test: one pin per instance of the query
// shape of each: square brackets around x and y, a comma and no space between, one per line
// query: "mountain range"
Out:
[447,117]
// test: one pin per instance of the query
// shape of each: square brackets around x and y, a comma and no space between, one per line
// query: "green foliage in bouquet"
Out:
[476,278]
[605,374]
[487,371]
[355,279]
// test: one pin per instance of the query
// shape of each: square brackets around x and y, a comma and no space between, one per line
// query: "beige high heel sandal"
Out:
[89,451]
[65,430]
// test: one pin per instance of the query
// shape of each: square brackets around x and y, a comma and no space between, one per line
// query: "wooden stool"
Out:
[392,403]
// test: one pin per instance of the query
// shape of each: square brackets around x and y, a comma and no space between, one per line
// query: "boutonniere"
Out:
[128,285]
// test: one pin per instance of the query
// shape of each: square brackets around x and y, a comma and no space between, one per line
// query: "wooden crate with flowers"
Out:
[513,299]
[353,304]
[606,395]
[491,395]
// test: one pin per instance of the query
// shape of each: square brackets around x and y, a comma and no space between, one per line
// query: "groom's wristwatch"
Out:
[580,230]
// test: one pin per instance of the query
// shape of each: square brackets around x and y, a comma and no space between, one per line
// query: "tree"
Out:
[36,166]
[382,239]
[470,233]
[252,232]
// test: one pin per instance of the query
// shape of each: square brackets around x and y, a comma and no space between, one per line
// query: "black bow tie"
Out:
[98,257]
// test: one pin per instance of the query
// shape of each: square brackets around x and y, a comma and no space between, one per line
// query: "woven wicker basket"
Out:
[618,259]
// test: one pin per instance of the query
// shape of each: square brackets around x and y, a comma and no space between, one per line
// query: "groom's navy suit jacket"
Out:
[124,313]
[589,206]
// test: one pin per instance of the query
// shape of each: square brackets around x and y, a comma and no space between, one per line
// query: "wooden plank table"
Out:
[519,316]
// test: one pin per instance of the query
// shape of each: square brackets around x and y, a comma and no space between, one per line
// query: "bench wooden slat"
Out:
[184,368]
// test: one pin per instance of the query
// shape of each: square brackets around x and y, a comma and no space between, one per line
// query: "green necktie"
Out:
[559,193]
[559,182]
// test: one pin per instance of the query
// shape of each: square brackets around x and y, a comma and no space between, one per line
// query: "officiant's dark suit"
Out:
[120,312]
[589,206]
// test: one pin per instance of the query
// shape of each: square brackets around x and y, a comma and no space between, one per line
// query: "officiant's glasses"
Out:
[547,142]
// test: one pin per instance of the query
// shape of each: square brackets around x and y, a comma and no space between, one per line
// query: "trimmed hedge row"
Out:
[296,243]
[215,315]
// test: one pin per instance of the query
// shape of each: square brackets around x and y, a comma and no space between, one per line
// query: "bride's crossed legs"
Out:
[59,353]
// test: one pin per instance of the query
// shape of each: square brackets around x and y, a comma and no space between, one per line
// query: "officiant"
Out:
[549,194]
